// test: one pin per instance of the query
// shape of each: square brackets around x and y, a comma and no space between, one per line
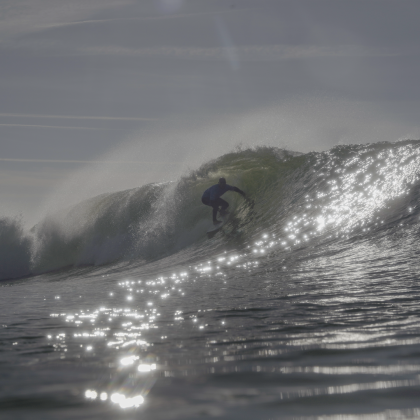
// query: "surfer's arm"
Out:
[236,189]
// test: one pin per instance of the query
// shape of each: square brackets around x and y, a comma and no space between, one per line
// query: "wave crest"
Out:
[292,196]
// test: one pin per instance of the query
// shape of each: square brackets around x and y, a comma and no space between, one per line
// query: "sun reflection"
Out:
[124,341]
[126,361]
[125,402]
[146,368]
[91,394]
[349,197]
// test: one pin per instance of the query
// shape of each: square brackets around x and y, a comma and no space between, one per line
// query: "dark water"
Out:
[306,305]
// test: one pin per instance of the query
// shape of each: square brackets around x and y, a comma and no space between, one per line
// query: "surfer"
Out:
[211,197]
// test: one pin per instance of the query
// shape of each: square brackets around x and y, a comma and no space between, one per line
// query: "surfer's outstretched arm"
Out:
[236,189]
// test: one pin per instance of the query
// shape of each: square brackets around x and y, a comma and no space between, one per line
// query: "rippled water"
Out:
[314,317]
[320,335]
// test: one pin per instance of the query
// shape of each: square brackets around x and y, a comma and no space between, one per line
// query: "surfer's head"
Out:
[222,182]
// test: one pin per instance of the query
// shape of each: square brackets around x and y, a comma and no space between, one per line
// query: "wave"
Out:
[295,198]
[149,222]
[15,249]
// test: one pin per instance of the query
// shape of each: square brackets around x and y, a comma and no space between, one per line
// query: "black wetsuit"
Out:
[211,197]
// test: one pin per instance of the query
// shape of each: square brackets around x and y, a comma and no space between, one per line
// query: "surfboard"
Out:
[215,228]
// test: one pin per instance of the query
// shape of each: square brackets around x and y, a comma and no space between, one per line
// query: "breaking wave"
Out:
[296,198]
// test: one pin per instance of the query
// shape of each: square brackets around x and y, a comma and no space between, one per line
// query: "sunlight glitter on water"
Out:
[348,199]
[349,194]
[118,329]
[128,332]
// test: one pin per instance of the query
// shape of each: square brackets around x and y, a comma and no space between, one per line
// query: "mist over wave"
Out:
[298,199]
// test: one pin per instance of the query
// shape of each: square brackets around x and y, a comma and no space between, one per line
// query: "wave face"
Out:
[298,199]
[15,249]
[155,220]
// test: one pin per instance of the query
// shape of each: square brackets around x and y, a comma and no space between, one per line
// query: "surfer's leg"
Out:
[224,205]
[215,208]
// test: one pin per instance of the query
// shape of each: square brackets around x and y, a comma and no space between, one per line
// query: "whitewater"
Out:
[304,306]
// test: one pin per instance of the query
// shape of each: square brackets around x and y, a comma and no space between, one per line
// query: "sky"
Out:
[101,95]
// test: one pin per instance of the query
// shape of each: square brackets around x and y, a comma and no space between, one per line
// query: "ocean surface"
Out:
[304,306]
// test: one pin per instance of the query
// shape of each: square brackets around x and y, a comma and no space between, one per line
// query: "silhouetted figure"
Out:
[211,197]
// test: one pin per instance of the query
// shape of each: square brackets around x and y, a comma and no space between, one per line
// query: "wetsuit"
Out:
[211,197]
